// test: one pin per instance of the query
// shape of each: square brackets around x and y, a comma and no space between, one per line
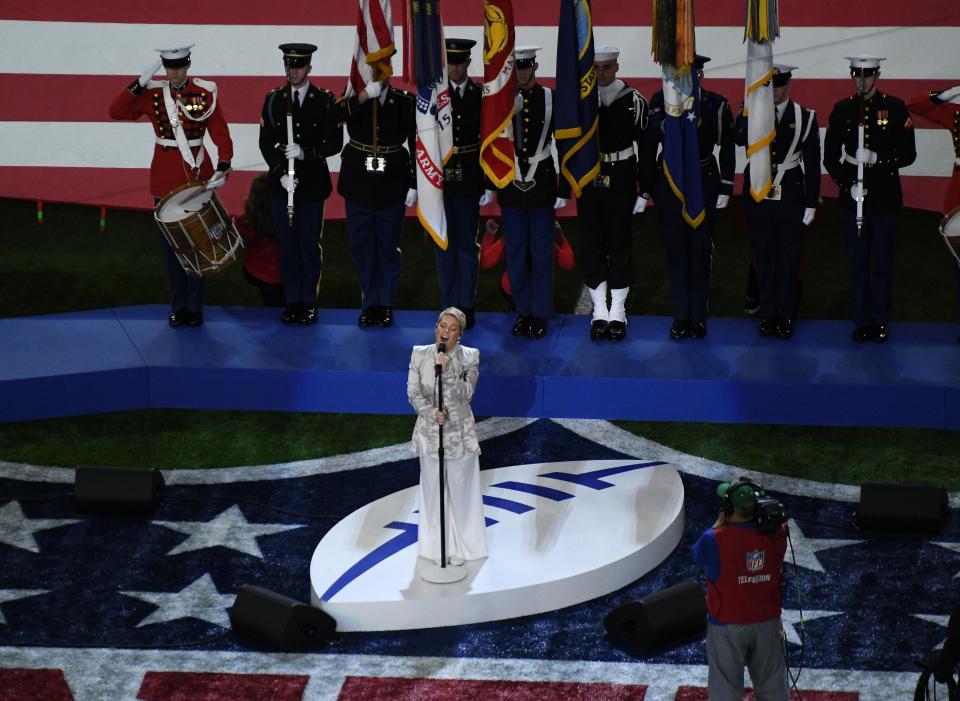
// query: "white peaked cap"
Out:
[173,54]
[865,61]
[523,53]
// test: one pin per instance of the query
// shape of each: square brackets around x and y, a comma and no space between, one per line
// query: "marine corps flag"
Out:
[426,66]
[673,49]
[499,92]
[575,113]
[761,28]
[374,45]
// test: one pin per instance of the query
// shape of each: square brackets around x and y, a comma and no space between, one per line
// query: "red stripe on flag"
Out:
[34,684]
[694,693]
[402,689]
[812,13]
[208,686]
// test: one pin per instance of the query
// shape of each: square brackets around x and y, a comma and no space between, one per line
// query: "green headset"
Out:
[756,492]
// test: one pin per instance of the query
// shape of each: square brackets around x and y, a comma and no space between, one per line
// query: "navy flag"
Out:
[575,111]
[681,149]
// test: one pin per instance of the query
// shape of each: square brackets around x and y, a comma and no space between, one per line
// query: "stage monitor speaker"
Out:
[907,508]
[279,621]
[117,490]
[670,616]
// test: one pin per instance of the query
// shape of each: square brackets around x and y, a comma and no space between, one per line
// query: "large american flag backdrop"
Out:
[62,63]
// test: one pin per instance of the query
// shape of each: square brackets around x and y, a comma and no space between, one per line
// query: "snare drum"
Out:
[950,229]
[198,229]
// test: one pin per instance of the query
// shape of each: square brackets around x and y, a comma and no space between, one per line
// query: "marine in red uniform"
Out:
[182,110]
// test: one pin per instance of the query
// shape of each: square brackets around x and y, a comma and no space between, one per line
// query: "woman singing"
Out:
[459,367]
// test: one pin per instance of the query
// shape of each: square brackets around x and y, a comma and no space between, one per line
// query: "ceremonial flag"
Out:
[575,112]
[426,67]
[499,92]
[674,49]
[373,47]
[761,29]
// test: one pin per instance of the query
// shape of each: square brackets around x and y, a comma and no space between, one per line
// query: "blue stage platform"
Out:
[243,358]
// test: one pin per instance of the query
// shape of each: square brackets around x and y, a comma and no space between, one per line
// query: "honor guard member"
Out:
[605,208]
[527,204]
[317,134]
[463,191]
[690,250]
[182,110]
[776,222]
[888,145]
[378,182]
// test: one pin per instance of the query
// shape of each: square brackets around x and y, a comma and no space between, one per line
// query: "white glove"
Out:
[640,205]
[808,215]
[148,73]
[293,151]
[857,192]
[411,197]
[560,203]
[486,198]
[951,95]
[865,155]
[723,201]
[374,89]
[218,179]
[285,182]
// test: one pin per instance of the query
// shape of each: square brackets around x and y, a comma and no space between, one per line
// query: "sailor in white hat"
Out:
[888,145]
[605,208]
[182,111]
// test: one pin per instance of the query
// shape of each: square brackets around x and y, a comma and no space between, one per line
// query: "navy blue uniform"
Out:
[888,131]
[776,223]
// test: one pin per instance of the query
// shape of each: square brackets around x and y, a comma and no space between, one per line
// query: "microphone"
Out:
[441,348]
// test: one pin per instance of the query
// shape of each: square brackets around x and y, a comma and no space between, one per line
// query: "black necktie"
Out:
[296,98]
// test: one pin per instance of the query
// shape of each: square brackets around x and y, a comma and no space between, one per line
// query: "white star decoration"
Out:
[17,530]
[199,600]
[791,622]
[14,594]
[229,529]
[941,621]
[806,549]
[955,547]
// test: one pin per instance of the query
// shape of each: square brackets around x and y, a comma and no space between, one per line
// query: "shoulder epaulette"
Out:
[205,84]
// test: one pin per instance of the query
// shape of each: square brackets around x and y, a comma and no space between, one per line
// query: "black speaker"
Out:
[279,621]
[909,508]
[117,490]
[673,615]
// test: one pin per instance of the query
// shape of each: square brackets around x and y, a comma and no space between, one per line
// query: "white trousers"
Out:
[463,509]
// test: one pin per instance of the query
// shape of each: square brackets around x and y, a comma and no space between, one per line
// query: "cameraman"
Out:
[744,573]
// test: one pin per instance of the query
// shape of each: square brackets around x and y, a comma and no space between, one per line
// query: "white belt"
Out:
[793,162]
[847,158]
[618,156]
[193,143]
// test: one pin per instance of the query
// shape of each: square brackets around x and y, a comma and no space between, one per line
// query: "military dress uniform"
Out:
[689,250]
[463,185]
[199,112]
[775,224]
[376,172]
[317,117]
[888,132]
[605,207]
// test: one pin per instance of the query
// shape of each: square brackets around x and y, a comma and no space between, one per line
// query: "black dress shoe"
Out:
[879,333]
[698,329]
[178,318]
[679,330]
[470,314]
[785,329]
[521,325]
[598,330]
[368,317]
[308,314]
[291,314]
[386,317]
[194,318]
[537,328]
[617,330]
[861,334]
[768,327]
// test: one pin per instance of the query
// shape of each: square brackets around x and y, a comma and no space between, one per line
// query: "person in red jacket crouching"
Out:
[743,560]
[261,260]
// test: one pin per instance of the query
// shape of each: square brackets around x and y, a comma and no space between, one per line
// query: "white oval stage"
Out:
[558,534]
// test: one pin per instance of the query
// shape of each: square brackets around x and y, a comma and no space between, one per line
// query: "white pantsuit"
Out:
[466,528]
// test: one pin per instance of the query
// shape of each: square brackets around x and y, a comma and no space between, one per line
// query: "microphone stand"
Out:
[433,573]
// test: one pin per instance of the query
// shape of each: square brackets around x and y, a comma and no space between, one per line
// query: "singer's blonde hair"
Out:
[456,314]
